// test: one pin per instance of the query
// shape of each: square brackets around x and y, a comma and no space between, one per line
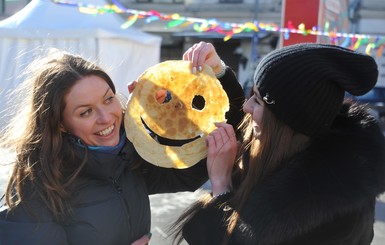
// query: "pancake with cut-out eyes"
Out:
[170,112]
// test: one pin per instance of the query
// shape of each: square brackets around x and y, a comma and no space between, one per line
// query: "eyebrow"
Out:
[108,89]
[257,95]
[85,105]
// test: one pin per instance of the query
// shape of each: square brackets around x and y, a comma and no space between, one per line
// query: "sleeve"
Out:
[19,228]
[236,97]
[169,180]
[208,225]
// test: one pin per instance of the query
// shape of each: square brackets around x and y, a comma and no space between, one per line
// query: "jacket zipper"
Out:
[119,189]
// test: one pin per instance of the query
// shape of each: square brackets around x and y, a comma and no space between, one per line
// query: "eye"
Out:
[255,98]
[85,113]
[198,102]
[110,99]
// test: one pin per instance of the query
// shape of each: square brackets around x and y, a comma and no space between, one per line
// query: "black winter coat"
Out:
[325,194]
[110,200]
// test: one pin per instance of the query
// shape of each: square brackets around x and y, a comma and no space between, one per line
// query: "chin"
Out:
[114,143]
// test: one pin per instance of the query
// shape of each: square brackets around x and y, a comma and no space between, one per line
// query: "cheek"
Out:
[257,114]
[80,127]
[76,126]
[67,122]
[247,108]
[118,111]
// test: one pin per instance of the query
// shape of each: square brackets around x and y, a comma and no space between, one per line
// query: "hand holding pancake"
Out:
[203,53]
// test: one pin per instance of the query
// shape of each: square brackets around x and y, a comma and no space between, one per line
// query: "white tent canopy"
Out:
[42,24]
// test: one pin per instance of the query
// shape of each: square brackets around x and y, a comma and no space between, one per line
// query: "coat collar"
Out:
[103,165]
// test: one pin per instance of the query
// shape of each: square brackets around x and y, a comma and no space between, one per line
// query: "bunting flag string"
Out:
[372,44]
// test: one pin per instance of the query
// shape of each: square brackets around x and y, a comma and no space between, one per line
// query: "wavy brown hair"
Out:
[35,137]
[276,143]
[259,158]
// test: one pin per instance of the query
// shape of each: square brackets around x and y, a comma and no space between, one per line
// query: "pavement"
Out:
[166,208]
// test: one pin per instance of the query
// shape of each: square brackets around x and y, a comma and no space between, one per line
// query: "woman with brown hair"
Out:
[311,166]
[76,178]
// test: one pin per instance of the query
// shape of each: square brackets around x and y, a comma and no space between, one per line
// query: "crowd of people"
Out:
[295,163]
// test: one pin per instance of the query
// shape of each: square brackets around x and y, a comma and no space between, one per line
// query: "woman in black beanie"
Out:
[311,165]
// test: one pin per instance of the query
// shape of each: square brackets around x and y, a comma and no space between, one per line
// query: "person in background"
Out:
[311,163]
[76,178]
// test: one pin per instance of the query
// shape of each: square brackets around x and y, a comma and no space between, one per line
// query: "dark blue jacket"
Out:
[109,199]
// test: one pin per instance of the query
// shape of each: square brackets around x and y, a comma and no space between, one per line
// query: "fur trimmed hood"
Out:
[339,174]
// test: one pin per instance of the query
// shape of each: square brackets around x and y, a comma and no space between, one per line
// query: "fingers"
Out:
[228,128]
[189,53]
[161,95]
[198,54]
[131,86]
[221,139]
[210,142]
[221,136]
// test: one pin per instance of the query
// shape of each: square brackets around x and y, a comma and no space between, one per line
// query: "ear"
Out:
[62,129]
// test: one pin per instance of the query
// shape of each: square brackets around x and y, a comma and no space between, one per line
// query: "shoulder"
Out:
[31,211]
[350,157]
[342,171]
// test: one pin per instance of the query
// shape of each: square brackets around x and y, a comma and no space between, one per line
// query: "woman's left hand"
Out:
[222,151]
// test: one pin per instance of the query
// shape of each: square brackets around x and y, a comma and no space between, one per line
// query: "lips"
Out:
[106,131]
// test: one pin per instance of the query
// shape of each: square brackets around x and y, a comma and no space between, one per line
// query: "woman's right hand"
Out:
[222,150]
[131,86]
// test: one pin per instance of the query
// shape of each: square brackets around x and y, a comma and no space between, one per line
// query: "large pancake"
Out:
[193,103]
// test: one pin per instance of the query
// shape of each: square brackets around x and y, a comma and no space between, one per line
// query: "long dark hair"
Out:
[35,135]
[264,155]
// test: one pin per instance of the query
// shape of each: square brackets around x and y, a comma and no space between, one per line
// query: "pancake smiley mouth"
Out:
[167,141]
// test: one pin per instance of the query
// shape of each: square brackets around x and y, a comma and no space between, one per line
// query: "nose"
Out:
[247,108]
[103,116]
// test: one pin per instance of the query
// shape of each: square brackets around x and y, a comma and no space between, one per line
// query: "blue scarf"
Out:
[107,149]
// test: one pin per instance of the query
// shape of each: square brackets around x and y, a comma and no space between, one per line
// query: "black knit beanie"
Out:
[304,84]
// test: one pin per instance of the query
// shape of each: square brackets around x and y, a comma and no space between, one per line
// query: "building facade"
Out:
[242,51]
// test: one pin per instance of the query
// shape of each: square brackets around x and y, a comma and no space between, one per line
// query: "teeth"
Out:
[107,131]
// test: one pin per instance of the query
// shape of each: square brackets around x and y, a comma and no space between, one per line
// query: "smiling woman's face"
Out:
[92,112]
